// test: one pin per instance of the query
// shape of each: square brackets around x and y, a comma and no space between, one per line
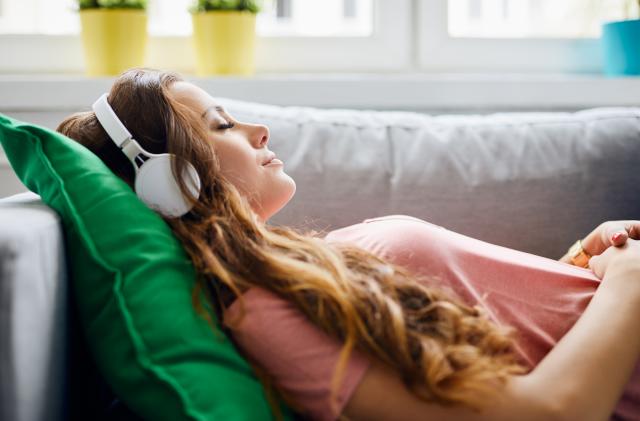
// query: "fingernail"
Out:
[615,237]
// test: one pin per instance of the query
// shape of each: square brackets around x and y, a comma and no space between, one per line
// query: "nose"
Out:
[260,136]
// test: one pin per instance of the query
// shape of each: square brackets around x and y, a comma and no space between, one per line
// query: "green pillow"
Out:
[133,285]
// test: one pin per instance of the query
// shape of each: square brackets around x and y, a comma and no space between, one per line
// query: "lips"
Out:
[269,158]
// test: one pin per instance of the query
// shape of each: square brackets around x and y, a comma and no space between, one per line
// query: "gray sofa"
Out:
[33,316]
[534,182]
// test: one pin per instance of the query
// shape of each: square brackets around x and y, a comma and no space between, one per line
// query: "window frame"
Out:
[439,52]
[46,54]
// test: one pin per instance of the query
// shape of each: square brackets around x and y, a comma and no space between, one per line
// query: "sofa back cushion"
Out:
[531,181]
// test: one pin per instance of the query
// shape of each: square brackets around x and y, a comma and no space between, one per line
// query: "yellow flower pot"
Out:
[224,42]
[114,40]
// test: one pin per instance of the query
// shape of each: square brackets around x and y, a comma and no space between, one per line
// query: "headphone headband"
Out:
[110,121]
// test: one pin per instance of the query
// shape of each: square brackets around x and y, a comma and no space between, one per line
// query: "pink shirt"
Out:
[540,297]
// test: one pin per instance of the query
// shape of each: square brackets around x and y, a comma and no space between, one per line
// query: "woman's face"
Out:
[242,152]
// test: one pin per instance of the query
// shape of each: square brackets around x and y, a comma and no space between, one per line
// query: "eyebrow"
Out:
[218,108]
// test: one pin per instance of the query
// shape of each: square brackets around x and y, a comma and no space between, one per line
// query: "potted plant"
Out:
[114,35]
[621,43]
[224,36]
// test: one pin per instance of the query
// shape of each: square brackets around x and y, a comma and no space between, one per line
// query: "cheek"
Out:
[238,167]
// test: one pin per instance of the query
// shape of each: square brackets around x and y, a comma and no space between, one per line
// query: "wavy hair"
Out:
[444,350]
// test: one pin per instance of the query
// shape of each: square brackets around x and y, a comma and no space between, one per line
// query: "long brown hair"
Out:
[445,351]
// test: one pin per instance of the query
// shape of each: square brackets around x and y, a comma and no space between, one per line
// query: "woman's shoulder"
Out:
[385,231]
[395,219]
[299,357]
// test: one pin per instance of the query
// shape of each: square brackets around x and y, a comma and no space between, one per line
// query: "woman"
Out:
[410,336]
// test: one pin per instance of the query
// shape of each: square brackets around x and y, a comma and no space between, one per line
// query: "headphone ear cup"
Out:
[158,189]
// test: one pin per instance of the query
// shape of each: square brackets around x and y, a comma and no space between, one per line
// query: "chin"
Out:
[286,190]
[292,188]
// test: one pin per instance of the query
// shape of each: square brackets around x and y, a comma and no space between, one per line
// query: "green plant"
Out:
[112,4]
[237,5]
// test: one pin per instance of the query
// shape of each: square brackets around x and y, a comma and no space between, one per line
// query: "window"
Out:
[525,36]
[522,36]
[532,18]
[171,17]
[38,17]
[293,35]
[326,18]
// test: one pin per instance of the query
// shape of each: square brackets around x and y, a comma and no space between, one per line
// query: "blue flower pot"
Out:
[621,48]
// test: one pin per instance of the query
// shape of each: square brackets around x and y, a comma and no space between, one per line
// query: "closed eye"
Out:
[225,126]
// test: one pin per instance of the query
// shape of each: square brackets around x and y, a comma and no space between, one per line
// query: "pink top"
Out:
[542,298]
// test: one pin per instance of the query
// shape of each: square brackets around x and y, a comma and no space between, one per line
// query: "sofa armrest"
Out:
[33,297]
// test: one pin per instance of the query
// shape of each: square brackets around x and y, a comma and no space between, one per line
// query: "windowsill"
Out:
[399,91]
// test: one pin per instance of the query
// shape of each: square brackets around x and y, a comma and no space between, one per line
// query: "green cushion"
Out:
[133,283]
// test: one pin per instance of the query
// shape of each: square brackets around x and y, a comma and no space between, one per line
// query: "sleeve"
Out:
[298,355]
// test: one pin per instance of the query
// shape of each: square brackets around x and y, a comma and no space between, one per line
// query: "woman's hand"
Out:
[610,233]
[621,258]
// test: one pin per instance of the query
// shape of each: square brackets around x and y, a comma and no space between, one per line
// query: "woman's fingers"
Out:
[611,233]
[597,265]
[630,252]
[615,234]
[600,263]
[633,229]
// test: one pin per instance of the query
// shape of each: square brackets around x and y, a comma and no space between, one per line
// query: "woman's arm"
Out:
[581,378]
[381,396]
[590,366]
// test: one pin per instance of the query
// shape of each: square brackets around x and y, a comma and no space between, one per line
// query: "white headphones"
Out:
[155,184]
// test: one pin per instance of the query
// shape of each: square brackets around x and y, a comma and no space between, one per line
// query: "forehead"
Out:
[193,97]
